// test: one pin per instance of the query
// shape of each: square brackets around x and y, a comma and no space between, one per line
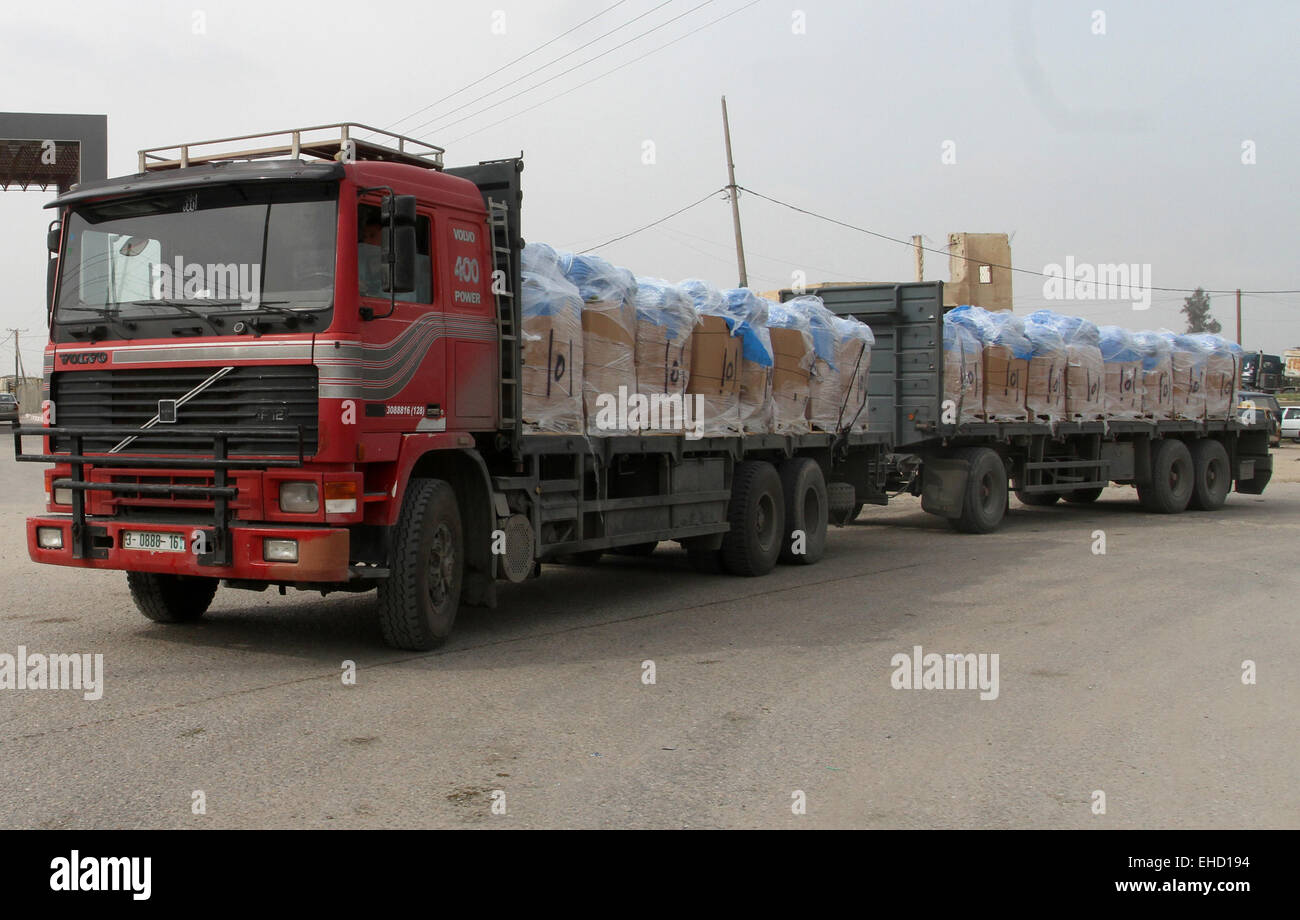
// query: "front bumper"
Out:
[322,551]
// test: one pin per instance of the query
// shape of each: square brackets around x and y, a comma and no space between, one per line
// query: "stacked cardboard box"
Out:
[715,360]
[608,333]
[853,358]
[666,319]
[552,345]
[1045,391]
[1006,352]
[792,362]
[1157,375]
[749,311]
[1188,359]
[1123,373]
[963,375]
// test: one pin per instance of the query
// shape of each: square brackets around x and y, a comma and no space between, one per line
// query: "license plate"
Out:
[154,541]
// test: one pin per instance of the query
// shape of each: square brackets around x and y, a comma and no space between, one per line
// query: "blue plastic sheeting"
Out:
[958,337]
[1044,339]
[846,327]
[661,303]
[1118,346]
[750,311]
[546,292]
[1001,328]
[1075,330]
[597,279]
[1153,347]
[822,324]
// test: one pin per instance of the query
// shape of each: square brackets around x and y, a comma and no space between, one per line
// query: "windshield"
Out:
[214,250]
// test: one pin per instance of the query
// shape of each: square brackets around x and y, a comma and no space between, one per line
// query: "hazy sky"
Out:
[1115,146]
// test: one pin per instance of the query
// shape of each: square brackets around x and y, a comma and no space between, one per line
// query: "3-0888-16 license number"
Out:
[153,540]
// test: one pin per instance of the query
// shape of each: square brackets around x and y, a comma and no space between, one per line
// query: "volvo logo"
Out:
[85,357]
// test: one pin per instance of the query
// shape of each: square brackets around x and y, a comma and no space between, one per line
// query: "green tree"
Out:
[1197,310]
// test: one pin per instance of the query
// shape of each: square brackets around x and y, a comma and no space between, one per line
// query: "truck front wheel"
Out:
[419,598]
[171,598]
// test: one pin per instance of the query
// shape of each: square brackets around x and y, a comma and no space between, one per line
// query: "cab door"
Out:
[472,374]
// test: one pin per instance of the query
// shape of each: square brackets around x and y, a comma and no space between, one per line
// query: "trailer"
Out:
[330,429]
[965,472]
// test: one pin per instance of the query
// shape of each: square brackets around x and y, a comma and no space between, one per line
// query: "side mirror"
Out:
[398,243]
[52,236]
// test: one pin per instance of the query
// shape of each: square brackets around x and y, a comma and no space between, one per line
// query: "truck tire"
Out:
[419,598]
[171,598]
[985,502]
[1170,488]
[842,503]
[757,518]
[1083,496]
[806,510]
[1211,475]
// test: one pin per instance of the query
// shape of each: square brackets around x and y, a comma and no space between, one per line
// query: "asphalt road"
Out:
[1119,673]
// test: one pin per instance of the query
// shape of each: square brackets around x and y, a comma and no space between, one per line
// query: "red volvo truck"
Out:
[293,360]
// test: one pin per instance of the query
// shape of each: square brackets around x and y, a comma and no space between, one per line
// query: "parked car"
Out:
[8,407]
[1291,423]
[1267,404]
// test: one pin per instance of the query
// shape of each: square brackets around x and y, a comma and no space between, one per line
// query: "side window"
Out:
[370,267]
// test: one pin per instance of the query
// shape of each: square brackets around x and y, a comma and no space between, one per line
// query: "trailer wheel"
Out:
[757,518]
[419,598]
[1083,496]
[171,598]
[1170,488]
[1211,477]
[985,502]
[806,510]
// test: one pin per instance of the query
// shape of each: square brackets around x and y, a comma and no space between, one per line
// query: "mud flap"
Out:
[943,486]
[1253,474]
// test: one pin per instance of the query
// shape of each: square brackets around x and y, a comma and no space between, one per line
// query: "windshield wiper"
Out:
[292,317]
[110,315]
[213,321]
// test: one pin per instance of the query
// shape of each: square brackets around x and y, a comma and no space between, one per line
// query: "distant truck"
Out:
[1291,367]
[1263,373]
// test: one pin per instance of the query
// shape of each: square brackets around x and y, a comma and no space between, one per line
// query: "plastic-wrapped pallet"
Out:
[1222,374]
[1123,366]
[826,386]
[715,359]
[1006,360]
[963,374]
[750,312]
[853,356]
[793,355]
[552,344]
[1157,375]
[1045,391]
[608,332]
[665,319]
[1188,359]
[1085,372]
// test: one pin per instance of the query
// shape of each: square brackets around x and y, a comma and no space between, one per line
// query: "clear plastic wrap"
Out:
[715,360]
[551,309]
[1222,374]
[853,357]
[608,337]
[963,374]
[825,385]
[1157,374]
[1006,353]
[793,355]
[1188,358]
[666,319]
[1123,368]
[1085,372]
[750,313]
[1045,391]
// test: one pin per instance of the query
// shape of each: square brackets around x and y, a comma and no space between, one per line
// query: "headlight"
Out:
[49,537]
[279,550]
[299,497]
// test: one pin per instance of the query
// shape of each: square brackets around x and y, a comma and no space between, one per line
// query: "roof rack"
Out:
[324,142]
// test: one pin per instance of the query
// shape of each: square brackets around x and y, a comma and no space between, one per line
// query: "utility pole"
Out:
[735,197]
[1238,316]
[920,258]
[18,361]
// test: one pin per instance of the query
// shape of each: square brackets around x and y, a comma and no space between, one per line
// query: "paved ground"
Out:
[1118,673]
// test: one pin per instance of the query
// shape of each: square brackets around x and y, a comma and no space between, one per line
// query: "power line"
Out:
[601,76]
[656,223]
[1025,271]
[554,77]
[516,61]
